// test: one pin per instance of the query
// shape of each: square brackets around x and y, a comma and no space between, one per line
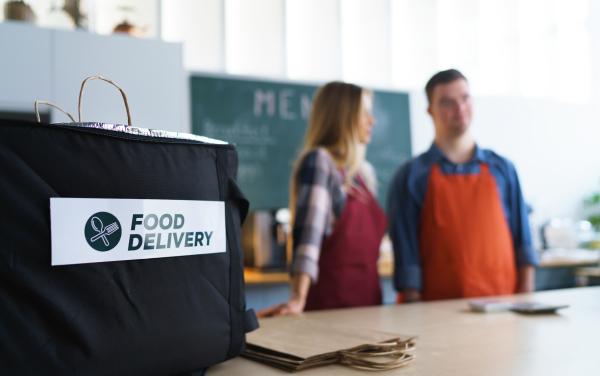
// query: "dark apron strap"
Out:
[241,322]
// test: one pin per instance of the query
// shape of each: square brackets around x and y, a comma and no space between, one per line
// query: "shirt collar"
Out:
[435,155]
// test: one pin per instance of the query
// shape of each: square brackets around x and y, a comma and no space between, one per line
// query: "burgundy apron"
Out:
[348,275]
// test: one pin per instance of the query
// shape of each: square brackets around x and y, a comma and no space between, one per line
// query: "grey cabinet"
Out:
[50,65]
[25,72]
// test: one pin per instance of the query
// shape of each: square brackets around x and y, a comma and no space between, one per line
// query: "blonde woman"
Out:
[337,222]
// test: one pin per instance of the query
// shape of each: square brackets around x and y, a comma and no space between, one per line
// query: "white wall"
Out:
[398,44]
[528,62]
[553,143]
[365,46]
[199,25]
[321,42]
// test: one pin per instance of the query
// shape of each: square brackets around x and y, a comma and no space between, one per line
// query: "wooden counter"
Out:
[454,341]
[256,277]
[553,258]
[570,258]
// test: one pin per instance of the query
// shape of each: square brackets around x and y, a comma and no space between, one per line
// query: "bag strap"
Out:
[37,113]
[241,321]
[111,82]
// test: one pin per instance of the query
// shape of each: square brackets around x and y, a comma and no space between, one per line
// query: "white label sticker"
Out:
[86,230]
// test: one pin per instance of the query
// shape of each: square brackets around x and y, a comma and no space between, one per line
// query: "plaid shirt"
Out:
[320,201]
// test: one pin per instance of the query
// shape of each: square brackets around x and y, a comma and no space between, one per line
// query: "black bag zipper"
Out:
[128,136]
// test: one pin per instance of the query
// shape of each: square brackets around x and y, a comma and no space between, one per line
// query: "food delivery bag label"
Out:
[86,230]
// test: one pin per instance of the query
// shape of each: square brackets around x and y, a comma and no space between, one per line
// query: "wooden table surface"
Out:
[455,341]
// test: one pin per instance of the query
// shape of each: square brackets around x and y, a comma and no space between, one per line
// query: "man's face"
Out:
[451,108]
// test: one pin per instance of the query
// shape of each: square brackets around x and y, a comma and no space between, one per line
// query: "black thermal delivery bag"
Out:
[160,316]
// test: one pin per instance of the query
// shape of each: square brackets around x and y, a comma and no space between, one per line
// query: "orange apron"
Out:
[465,244]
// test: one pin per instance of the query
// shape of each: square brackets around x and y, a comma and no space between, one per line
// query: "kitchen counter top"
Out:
[568,257]
[455,341]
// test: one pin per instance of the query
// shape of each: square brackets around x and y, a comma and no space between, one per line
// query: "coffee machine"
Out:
[264,240]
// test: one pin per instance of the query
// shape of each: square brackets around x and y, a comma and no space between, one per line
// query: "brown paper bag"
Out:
[295,343]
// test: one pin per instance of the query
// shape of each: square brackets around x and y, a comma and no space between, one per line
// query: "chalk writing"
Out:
[267,100]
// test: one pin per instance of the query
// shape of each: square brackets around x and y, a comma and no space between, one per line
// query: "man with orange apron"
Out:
[457,218]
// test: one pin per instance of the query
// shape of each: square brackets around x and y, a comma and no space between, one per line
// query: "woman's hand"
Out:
[294,306]
[300,284]
[411,295]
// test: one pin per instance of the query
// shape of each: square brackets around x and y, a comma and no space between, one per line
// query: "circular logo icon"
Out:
[103,231]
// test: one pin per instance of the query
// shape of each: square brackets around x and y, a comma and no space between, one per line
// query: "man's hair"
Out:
[442,77]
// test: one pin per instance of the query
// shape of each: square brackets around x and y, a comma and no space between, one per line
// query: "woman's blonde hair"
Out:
[332,125]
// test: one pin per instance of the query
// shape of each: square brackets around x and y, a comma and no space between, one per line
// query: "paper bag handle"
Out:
[397,350]
[37,113]
[111,82]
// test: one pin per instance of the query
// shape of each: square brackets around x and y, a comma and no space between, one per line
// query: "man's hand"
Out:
[411,295]
[526,279]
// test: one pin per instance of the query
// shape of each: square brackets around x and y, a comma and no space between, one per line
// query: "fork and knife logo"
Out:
[102,232]
[105,227]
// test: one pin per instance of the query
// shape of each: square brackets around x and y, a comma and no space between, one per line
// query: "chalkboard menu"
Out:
[267,121]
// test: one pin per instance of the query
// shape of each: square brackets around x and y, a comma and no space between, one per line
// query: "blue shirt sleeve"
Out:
[518,220]
[403,214]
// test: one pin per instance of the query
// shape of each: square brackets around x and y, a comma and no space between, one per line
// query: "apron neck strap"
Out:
[484,169]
